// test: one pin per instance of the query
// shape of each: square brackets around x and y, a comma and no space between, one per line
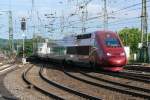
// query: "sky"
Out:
[67,16]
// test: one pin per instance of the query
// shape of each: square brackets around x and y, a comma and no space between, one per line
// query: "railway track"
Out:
[132,75]
[127,75]
[65,88]
[24,76]
[57,85]
[138,92]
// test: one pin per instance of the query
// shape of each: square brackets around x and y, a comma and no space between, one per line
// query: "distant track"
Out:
[5,69]
[139,73]
[137,68]
[1,69]
[128,76]
[138,76]
[110,87]
[65,88]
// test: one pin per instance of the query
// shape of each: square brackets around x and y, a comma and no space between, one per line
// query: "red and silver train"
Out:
[98,49]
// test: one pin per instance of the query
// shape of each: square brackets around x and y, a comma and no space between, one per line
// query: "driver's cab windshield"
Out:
[112,42]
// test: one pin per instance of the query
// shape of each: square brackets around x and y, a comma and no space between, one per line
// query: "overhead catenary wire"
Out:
[117,11]
[125,19]
[124,8]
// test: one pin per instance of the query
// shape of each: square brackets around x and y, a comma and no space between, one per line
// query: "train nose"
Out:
[118,61]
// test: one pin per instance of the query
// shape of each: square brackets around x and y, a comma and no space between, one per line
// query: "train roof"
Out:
[80,39]
[88,34]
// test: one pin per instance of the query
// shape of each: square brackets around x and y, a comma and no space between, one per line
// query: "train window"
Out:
[79,50]
[84,36]
[40,49]
[83,50]
[71,50]
[112,42]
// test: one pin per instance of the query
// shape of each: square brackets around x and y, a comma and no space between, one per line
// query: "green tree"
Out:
[131,37]
[28,48]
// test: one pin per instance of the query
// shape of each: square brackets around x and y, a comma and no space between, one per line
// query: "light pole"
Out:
[23,35]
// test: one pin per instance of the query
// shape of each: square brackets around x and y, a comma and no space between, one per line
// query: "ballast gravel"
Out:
[15,84]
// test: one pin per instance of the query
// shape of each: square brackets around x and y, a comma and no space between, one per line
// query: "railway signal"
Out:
[23,28]
[23,24]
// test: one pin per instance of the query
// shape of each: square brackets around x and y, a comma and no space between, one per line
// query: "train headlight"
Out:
[108,54]
[122,54]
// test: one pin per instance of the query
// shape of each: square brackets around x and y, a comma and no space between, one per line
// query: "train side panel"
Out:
[102,48]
